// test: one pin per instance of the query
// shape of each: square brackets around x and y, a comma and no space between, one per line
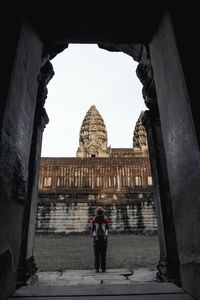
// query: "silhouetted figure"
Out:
[100,232]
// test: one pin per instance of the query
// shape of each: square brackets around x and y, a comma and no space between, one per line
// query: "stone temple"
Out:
[70,188]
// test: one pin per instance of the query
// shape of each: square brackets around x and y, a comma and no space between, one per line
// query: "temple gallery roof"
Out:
[94,161]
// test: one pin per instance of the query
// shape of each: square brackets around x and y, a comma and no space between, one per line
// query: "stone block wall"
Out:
[73,216]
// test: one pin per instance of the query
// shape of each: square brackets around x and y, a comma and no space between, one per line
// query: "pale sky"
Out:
[86,75]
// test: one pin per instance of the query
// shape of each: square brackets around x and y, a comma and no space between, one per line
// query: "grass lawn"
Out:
[76,252]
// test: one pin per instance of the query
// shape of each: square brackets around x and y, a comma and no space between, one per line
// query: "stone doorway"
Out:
[66,202]
[172,125]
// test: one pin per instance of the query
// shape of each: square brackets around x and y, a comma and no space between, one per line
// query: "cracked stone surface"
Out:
[81,277]
[143,275]
[123,283]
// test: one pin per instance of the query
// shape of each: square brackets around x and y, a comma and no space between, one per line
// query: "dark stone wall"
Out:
[182,151]
[7,53]
[15,143]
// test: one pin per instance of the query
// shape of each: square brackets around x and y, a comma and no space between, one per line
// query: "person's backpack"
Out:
[100,233]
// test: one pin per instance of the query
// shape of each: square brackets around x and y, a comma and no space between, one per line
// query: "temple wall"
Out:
[72,216]
[71,188]
[100,173]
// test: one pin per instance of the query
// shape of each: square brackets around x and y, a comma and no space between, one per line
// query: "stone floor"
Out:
[86,284]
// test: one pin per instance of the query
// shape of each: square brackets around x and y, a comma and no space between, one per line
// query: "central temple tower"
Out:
[93,136]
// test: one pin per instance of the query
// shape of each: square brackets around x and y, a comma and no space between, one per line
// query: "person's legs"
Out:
[103,255]
[96,255]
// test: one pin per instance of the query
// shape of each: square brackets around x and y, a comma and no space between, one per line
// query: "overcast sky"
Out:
[87,75]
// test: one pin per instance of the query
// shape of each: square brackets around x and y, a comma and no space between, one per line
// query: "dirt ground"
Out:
[53,252]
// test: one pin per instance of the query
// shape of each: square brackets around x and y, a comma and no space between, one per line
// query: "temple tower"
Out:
[140,135]
[93,135]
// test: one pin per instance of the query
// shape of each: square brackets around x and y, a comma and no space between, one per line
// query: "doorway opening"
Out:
[118,177]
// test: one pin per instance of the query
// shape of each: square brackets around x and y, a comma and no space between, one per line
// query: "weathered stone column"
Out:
[147,121]
[169,266]
[27,267]
[180,137]
[19,94]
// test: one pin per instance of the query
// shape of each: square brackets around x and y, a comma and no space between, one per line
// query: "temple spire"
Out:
[140,135]
[93,135]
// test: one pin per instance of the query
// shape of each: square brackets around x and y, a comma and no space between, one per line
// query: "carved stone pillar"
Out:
[27,267]
[168,266]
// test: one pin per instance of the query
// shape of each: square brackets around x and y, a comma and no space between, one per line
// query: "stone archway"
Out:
[168,267]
